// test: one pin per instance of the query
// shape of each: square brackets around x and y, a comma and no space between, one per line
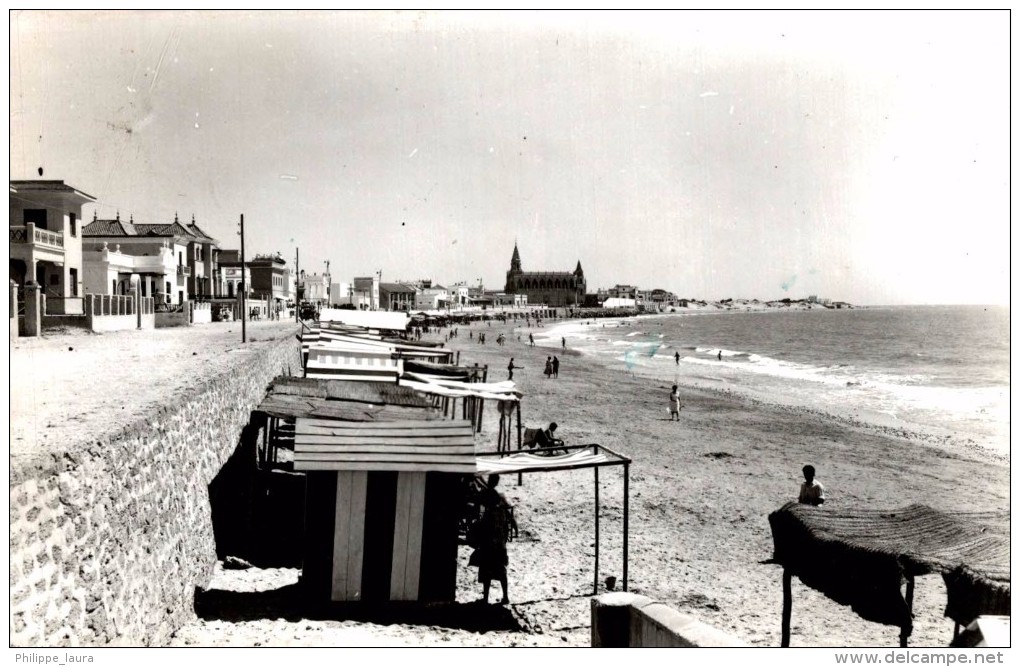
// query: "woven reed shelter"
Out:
[861,558]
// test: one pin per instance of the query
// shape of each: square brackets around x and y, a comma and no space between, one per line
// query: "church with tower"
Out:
[553,288]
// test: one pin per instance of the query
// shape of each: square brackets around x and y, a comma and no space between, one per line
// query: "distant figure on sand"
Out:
[531,340]
[548,367]
[677,357]
[564,343]
[674,404]
[489,537]
[510,368]
[556,367]
[720,355]
[811,491]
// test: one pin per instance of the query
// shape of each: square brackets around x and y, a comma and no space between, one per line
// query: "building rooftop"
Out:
[397,287]
[49,186]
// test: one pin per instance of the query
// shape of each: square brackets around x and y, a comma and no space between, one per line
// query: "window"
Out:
[73,278]
[74,224]
[36,216]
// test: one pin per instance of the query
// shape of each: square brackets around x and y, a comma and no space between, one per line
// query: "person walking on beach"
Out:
[531,340]
[489,537]
[677,357]
[548,367]
[674,404]
[510,368]
[811,491]
[556,367]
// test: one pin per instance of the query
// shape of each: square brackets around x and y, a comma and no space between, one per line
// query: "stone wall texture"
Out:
[110,539]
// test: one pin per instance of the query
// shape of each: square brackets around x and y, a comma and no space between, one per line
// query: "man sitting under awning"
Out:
[547,441]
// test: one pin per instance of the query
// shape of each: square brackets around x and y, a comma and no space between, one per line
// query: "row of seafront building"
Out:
[173,263]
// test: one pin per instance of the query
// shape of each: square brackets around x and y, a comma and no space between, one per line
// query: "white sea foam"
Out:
[793,358]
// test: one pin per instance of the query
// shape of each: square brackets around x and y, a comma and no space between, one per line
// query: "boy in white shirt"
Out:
[811,491]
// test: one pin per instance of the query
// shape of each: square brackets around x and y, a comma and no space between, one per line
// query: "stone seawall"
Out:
[110,539]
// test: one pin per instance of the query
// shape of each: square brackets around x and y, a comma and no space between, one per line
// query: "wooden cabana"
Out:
[862,558]
[291,397]
[331,344]
[383,484]
[382,507]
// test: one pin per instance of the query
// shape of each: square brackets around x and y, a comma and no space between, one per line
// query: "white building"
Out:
[432,298]
[366,293]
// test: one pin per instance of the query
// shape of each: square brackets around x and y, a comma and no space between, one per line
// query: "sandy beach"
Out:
[701,491]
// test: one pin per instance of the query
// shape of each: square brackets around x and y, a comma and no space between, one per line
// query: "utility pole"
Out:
[297,285]
[244,290]
[329,286]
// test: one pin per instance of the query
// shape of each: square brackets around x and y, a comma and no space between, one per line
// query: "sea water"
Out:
[920,369]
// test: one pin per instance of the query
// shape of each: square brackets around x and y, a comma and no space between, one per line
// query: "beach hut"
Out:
[384,480]
[862,558]
[382,507]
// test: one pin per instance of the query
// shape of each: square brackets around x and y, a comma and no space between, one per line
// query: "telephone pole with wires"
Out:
[244,289]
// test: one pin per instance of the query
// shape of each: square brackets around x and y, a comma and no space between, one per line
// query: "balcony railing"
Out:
[37,236]
[183,270]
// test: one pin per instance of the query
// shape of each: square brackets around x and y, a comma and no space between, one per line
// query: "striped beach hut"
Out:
[382,506]
[325,363]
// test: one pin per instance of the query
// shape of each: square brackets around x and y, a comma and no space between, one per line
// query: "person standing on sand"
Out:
[556,367]
[489,538]
[677,357]
[564,343]
[531,339]
[720,355]
[674,404]
[548,367]
[510,368]
[811,491]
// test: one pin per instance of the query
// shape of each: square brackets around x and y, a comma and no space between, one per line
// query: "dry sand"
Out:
[701,492]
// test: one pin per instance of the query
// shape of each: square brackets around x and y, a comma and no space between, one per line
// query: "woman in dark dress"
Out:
[493,530]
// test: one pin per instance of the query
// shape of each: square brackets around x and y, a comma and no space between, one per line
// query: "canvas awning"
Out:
[525,462]
[325,363]
[370,319]
[499,391]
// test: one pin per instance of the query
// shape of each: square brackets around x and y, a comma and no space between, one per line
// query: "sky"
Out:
[857,156]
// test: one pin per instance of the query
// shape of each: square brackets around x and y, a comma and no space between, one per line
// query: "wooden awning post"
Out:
[909,627]
[499,438]
[595,588]
[481,402]
[520,437]
[626,519]
[264,452]
[787,607]
[520,476]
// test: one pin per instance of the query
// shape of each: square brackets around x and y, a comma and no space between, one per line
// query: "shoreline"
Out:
[955,442]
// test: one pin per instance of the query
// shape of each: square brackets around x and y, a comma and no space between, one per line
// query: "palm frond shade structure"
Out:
[862,557]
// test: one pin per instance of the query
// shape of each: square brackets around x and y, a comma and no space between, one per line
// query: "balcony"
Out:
[183,271]
[40,237]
